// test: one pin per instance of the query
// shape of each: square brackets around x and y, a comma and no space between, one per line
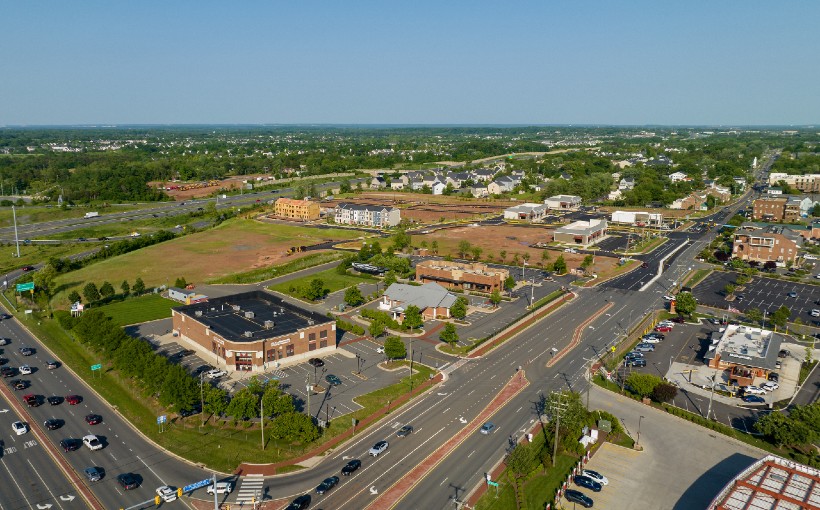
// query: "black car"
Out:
[333,380]
[351,466]
[635,362]
[405,431]
[19,384]
[327,484]
[316,362]
[93,419]
[773,376]
[51,365]
[784,353]
[299,503]
[8,371]
[26,351]
[127,481]
[587,483]
[70,445]
[3,361]
[53,424]
[578,497]
[55,400]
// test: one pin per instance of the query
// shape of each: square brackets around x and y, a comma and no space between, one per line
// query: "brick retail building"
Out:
[458,275]
[764,245]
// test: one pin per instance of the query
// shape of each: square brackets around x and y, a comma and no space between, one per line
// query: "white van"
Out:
[221,488]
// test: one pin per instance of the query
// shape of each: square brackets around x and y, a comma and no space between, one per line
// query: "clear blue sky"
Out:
[430,62]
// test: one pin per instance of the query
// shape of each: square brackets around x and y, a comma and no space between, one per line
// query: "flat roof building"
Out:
[456,275]
[771,483]
[563,202]
[247,331]
[745,351]
[530,212]
[290,208]
[639,218]
[584,232]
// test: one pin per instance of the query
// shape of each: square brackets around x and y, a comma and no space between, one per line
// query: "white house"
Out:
[438,188]
[678,176]
[626,184]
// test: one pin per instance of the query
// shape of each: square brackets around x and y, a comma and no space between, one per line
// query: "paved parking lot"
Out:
[615,241]
[762,293]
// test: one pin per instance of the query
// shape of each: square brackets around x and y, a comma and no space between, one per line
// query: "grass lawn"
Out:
[235,246]
[697,277]
[35,253]
[28,214]
[139,309]
[332,280]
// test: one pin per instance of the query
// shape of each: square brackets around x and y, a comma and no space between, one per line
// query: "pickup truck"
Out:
[91,215]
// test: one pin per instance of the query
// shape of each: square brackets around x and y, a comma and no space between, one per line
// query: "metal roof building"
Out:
[771,483]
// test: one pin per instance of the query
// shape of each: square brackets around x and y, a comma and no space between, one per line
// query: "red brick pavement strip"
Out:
[395,493]
[576,336]
[65,467]
[521,326]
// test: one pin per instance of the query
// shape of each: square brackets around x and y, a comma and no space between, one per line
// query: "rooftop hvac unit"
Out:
[236,308]
[249,315]
[269,324]
[310,322]
[249,334]
[198,313]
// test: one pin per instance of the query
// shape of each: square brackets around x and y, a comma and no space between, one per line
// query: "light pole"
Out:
[638,442]
[16,238]
[711,396]
[262,419]
[201,399]
[411,365]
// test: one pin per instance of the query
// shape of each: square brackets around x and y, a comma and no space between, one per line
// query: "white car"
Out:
[770,386]
[19,428]
[379,350]
[598,477]
[25,370]
[667,297]
[221,488]
[166,493]
[215,373]
[667,323]
[753,390]
[815,312]
[378,448]
[92,442]
[651,340]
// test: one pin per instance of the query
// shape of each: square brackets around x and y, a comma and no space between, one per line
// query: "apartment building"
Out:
[765,244]
[807,183]
[306,210]
[368,215]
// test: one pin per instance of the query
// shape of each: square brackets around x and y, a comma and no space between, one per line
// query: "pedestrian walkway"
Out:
[250,487]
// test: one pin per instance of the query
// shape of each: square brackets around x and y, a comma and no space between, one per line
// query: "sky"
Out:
[413,62]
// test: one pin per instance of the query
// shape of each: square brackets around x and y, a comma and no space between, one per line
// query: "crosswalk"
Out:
[250,487]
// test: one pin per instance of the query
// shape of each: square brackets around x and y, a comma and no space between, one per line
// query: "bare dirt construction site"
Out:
[423,208]
[512,240]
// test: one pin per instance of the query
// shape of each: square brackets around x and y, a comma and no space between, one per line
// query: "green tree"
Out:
[587,262]
[560,265]
[685,303]
[412,317]
[294,427]
[216,400]
[754,315]
[729,289]
[476,251]
[464,248]
[642,384]
[509,283]
[91,293]
[401,240]
[503,255]
[180,283]
[244,405]
[74,297]
[139,286]
[664,392]
[353,296]
[376,328]
[573,414]
[126,289]
[781,316]
[545,257]
[459,308]
[449,334]
[495,298]
[783,430]
[315,290]
[390,278]
[107,290]
[275,402]
[44,279]
[394,348]
[516,259]
[434,247]
[526,256]
[522,460]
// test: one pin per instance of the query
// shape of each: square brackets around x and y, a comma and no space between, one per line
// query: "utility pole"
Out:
[711,396]
[16,237]
[262,418]
[557,409]
[638,442]
[201,399]
[411,365]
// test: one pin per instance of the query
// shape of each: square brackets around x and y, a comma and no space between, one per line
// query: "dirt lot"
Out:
[422,208]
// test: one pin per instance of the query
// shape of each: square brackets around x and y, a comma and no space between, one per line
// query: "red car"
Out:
[677,320]
[31,400]
[73,400]
[663,329]
[93,419]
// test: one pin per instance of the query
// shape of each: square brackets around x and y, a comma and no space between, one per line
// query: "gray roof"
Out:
[751,347]
[429,295]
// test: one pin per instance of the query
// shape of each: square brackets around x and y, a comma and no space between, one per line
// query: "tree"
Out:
[516,258]
[244,405]
[139,286]
[770,265]
[503,255]
[495,298]
[784,430]
[412,317]
[294,427]
[376,328]
[74,297]
[781,316]
[685,303]
[664,392]
[44,279]
[754,315]
[90,292]
[353,296]
[545,257]
[315,290]
[449,334]
[180,283]
[476,250]
[401,240]
[729,289]
[390,278]
[459,308]
[741,280]
[587,262]
[434,247]
[107,290]
[526,256]
[522,460]
[216,400]
[464,248]
[394,348]
[126,289]
[560,265]
[642,384]
[509,283]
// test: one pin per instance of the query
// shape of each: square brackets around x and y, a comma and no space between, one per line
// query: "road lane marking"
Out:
[44,484]
[15,483]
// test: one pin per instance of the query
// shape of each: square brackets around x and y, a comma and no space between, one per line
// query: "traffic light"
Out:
[157,500]
[179,492]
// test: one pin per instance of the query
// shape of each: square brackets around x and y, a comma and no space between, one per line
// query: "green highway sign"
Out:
[96,367]
[25,286]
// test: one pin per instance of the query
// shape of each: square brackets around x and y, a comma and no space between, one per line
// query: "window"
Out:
[271,355]
[323,333]
[289,350]
[323,343]
[312,346]
[312,337]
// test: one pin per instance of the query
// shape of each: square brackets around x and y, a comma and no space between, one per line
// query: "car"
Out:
[215,373]
[778,364]
[327,484]
[127,481]
[643,347]
[93,419]
[184,413]
[405,431]
[220,488]
[644,265]
[19,384]
[32,400]
[70,445]
[26,269]
[487,428]
[678,319]
[55,400]
[92,442]
[784,353]
[773,376]
[80,239]
[5,341]
[53,424]
[333,380]
[635,362]
[166,493]
[633,355]
[663,329]
[651,340]
[587,483]
[792,294]
[94,473]
[659,336]
[666,322]
[715,321]
[26,351]
[753,399]
[299,503]
[25,370]
[19,428]
[815,312]
[378,448]
[740,297]
[598,477]
[51,365]
[667,297]
[316,362]
[73,400]
[769,386]
[3,361]
[351,466]
[579,497]
[753,390]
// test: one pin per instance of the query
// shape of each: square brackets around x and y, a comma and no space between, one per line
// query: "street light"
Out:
[638,442]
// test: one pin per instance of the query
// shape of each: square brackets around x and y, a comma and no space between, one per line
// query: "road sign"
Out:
[25,286]
[98,366]
[162,419]
[197,485]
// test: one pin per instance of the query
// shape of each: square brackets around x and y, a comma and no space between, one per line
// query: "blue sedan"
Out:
[587,483]
[754,399]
